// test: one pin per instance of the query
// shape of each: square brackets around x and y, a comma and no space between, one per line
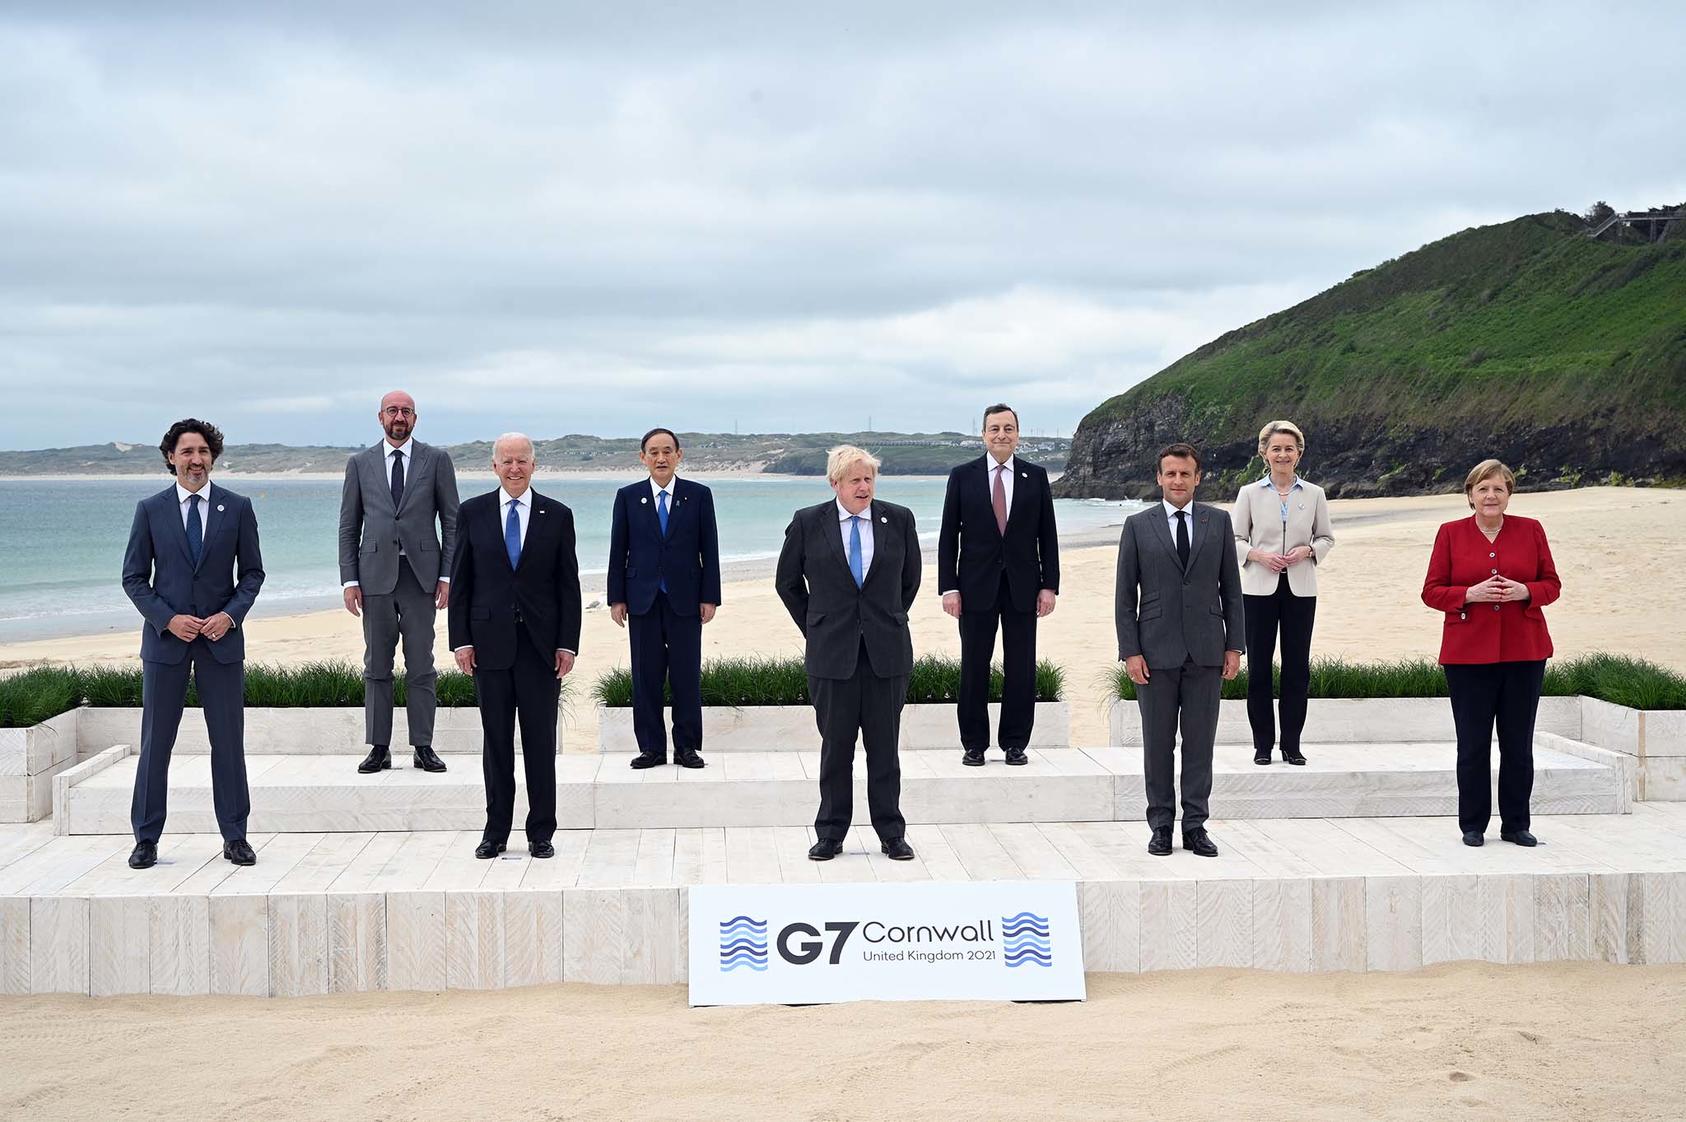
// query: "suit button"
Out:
[1495,607]
[1495,572]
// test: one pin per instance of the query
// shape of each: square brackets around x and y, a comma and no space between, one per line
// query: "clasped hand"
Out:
[188,628]
[1496,589]
[1279,562]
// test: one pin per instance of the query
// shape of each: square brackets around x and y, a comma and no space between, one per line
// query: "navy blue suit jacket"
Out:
[688,558]
[972,553]
[160,578]
[489,599]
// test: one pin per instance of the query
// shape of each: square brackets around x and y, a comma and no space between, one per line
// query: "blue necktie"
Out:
[195,532]
[855,565]
[661,516]
[512,533]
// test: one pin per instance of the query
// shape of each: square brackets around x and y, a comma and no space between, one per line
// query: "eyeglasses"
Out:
[398,411]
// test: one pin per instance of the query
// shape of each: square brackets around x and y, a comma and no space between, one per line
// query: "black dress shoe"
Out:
[973,757]
[1198,843]
[145,855]
[487,850]
[1519,837]
[239,852]
[898,849]
[426,760]
[1293,756]
[825,849]
[1160,843]
[541,850]
[1016,756]
[378,759]
[688,757]
[1261,756]
[648,759]
[1473,837]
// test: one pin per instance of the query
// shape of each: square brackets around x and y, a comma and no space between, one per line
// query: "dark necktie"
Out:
[512,533]
[397,478]
[195,532]
[1182,537]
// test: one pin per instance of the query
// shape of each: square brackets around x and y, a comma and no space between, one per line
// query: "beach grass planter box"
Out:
[286,731]
[1351,720]
[1654,738]
[29,759]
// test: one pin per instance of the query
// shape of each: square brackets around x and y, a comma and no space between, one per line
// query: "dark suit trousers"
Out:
[1484,694]
[1018,665]
[528,690]
[871,707]
[1295,616]
[666,651]
[1186,697]
[407,611]
[222,696]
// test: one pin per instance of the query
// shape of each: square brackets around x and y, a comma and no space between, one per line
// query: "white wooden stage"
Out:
[345,912]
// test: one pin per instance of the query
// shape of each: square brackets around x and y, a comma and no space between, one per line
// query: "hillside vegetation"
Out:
[1564,356]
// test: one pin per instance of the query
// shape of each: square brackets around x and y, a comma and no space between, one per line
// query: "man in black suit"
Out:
[848,573]
[664,576]
[998,563]
[515,625]
[193,569]
[1180,634]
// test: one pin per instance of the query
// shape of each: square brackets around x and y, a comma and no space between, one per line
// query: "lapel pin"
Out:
[644,500]
[219,506]
[884,519]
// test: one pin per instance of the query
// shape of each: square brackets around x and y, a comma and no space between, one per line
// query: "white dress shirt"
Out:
[1171,520]
[656,490]
[843,516]
[204,493]
[523,507]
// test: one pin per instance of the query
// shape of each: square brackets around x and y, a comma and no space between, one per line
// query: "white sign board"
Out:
[805,944]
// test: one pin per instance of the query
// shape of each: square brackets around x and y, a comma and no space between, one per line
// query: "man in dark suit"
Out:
[193,569]
[848,573]
[515,625]
[396,572]
[1180,636]
[998,564]
[664,576]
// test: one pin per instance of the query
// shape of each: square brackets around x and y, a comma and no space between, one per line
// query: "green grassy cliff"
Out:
[1563,356]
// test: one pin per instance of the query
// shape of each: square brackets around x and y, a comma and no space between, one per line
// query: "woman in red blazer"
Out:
[1491,575]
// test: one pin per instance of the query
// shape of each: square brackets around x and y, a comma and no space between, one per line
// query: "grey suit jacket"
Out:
[372,530]
[1171,616]
[819,592]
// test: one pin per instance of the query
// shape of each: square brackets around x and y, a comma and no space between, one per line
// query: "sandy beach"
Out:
[1368,604]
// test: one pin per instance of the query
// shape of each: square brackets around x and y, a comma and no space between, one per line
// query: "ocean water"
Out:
[61,541]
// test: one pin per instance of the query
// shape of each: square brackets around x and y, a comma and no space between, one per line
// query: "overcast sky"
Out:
[599,217]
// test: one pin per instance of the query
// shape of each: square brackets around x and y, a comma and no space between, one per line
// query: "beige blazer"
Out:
[1258,525]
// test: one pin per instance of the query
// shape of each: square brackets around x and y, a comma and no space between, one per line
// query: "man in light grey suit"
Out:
[395,566]
[1180,628]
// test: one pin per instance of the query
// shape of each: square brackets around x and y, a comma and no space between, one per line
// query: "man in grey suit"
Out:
[1180,628]
[398,532]
[192,568]
[848,573]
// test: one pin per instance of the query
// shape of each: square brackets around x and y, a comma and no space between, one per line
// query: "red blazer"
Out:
[1507,632]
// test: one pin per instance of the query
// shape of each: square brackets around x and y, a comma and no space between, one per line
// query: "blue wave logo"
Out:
[1026,940]
[743,943]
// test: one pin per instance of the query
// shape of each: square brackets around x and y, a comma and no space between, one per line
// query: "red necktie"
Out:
[998,499]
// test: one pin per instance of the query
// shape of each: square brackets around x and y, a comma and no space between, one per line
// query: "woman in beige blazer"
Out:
[1282,533]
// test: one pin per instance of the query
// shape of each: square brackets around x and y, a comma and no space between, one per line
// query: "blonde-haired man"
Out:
[848,574]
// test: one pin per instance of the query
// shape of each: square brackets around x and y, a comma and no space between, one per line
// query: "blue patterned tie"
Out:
[512,533]
[661,510]
[195,532]
[855,565]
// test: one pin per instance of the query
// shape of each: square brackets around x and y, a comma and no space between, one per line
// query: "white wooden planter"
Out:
[1356,720]
[284,732]
[771,728]
[29,758]
[1656,739]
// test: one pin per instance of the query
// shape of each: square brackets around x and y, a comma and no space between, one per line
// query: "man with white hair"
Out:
[848,574]
[515,625]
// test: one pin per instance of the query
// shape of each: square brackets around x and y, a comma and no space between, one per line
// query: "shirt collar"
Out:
[1265,482]
[182,493]
[656,488]
[504,497]
[1171,511]
[408,448]
[991,465]
[843,514]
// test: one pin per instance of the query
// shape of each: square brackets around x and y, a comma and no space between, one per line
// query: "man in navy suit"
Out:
[515,625]
[998,564]
[664,576]
[193,569]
